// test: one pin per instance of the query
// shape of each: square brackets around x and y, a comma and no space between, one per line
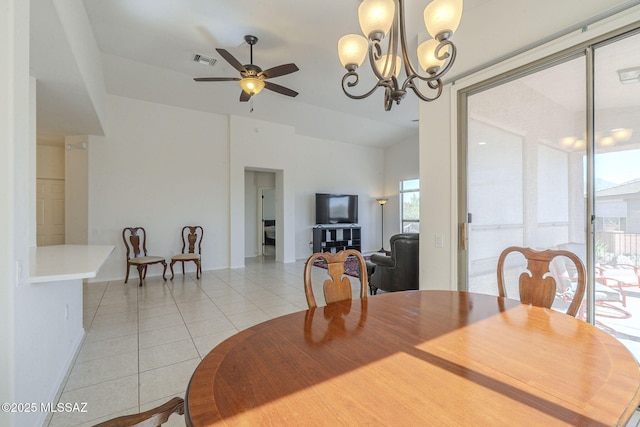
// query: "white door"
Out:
[50,212]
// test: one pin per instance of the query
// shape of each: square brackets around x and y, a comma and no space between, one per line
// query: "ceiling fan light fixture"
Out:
[251,85]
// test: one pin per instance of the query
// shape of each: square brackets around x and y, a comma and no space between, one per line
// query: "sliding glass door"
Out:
[540,150]
[525,178]
[617,188]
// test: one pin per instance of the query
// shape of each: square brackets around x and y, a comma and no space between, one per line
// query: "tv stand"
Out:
[336,237]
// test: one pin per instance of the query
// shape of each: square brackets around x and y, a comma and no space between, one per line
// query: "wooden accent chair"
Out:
[537,285]
[151,418]
[191,243]
[338,286]
[140,259]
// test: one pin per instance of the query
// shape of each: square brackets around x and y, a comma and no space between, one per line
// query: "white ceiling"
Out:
[147,48]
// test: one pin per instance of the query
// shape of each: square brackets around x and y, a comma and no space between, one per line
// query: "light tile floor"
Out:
[143,344]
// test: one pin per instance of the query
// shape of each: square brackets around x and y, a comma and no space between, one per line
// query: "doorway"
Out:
[267,217]
[260,213]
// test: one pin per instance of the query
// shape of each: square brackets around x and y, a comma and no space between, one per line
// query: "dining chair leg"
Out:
[126,277]
[141,273]
[164,271]
[183,268]
[171,266]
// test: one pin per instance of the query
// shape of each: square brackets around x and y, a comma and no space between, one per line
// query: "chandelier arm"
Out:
[408,66]
[375,53]
[433,84]
[346,84]
[392,50]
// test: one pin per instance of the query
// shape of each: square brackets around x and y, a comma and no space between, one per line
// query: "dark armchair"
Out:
[399,270]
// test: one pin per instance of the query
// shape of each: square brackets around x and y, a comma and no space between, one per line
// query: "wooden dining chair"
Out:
[338,286]
[191,249]
[135,242]
[151,418]
[537,285]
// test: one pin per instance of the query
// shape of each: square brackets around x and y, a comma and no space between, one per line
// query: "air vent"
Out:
[206,60]
[629,75]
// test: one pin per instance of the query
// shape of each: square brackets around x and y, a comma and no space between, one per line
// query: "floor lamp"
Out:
[382,201]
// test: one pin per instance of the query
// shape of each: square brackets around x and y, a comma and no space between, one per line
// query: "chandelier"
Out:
[382,18]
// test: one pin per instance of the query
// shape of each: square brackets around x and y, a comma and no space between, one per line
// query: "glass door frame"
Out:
[585,49]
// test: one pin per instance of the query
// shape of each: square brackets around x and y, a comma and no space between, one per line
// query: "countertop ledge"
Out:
[66,262]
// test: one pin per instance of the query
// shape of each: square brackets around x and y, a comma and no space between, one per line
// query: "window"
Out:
[410,205]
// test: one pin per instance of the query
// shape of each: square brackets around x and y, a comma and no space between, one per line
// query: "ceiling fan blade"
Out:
[231,59]
[216,79]
[280,70]
[244,96]
[280,89]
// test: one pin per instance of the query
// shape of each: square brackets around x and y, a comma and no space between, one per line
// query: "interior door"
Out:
[50,213]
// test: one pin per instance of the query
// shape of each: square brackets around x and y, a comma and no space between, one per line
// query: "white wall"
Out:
[76,190]
[15,170]
[86,52]
[49,162]
[162,168]
[401,161]
[336,167]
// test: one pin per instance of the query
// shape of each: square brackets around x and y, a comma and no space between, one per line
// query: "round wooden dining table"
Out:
[440,358]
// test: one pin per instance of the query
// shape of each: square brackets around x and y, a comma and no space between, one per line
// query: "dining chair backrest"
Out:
[135,241]
[151,418]
[338,286]
[537,285]
[192,239]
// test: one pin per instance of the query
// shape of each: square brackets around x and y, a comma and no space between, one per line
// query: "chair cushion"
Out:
[185,257]
[146,260]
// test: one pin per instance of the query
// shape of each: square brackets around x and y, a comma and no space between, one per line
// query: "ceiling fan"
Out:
[253,77]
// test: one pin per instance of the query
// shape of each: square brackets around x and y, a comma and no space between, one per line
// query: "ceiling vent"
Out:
[629,75]
[206,60]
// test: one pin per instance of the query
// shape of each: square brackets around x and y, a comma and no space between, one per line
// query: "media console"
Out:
[336,237]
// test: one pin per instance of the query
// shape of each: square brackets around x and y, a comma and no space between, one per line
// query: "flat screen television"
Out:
[336,208]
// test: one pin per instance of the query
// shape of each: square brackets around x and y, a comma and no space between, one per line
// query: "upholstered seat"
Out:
[185,257]
[146,260]
[398,271]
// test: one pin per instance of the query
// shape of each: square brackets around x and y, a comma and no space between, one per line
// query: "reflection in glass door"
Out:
[617,189]
[525,171]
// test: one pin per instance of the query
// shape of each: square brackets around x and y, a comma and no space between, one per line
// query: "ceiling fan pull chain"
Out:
[251,105]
